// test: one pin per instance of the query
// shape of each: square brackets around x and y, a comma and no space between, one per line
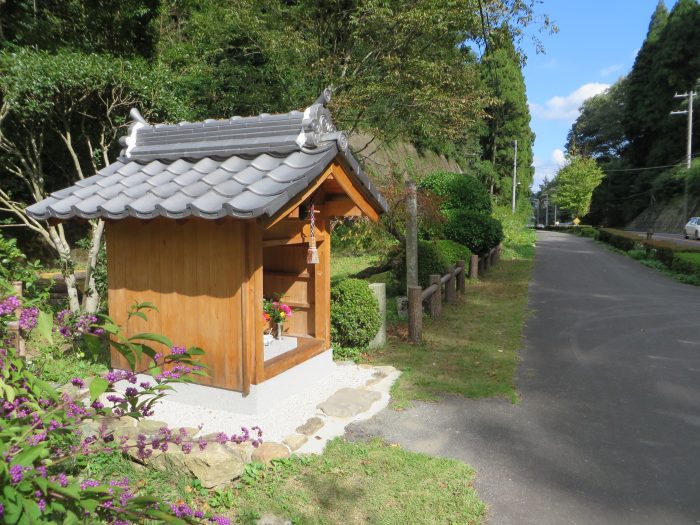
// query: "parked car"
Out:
[692,228]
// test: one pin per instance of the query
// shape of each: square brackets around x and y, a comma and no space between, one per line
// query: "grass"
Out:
[362,483]
[348,265]
[472,349]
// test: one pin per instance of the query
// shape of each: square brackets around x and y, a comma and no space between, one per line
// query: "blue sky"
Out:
[596,44]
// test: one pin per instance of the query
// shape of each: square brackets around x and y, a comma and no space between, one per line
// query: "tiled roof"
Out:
[240,167]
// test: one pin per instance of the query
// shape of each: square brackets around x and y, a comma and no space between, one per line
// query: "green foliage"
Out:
[518,238]
[14,266]
[477,231]
[509,116]
[621,240]
[433,259]
[575,183]
[687,263]
[457,191]
[354,313]
[360,236]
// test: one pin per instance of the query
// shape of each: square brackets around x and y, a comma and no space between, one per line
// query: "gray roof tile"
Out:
[241,167]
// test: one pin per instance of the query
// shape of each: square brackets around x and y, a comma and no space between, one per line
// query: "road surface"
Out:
[608,429]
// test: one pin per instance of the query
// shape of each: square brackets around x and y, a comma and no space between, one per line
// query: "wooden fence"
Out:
[454,282]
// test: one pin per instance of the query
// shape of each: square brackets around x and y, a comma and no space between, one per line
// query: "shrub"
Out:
[433,258]
[477,231]
[686,263]
[354,313]
[458,191]
[45,445]
[621,240]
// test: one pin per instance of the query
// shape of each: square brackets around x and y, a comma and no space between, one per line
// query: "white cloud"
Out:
[566,107]
[547,168]
[607,71]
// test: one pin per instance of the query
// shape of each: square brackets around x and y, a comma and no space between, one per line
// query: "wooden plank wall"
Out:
[194,272]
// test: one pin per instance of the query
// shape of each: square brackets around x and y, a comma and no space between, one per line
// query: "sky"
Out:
[596,44]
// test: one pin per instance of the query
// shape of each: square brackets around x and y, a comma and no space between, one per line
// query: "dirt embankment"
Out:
[666,217]
[380,159]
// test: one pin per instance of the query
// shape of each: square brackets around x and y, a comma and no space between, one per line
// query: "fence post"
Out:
[450,292]
[474,267]
[436,298]
[486,258]
[415,314]
[492,257]
[499,248]
[461,277]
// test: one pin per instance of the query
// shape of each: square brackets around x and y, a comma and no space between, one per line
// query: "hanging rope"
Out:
[312,255]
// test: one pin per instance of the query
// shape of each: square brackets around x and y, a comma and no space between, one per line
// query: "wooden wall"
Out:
[200,274]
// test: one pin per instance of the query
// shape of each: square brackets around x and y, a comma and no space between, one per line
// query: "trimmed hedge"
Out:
[581,231]
[687,263]
[475,230]
[354,313]
[433,258]
[663,251]
[458,190]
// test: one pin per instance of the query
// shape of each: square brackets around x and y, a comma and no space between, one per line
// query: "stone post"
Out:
[379,291]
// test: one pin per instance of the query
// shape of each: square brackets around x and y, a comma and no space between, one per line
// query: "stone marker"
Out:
[379,291]
[312,426]
[269,451]
[295,441]
[348,402]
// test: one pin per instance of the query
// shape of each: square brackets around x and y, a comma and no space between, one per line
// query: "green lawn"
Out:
[473,349]
[362,483]
[349,265]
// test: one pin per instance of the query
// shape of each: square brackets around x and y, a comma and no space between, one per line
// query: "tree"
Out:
[598,130]
[60,116]
[575,183]
[508,116]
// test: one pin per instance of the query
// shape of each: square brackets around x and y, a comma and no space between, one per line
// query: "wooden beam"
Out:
[351,191]
[341,208]
[322,283]
[299,199]
[306,349]
[253,351]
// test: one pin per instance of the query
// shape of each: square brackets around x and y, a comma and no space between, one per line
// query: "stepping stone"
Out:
[269,451]
[150,427]
[348,402]
[271,519]
[312,426]
[295,441]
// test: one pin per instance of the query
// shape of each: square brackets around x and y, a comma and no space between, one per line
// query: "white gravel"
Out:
[277,422]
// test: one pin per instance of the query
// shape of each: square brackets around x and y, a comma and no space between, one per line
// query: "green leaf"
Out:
[140,315]
[9,393]
[44,326]
[146,336]
[98,387]
[27,457]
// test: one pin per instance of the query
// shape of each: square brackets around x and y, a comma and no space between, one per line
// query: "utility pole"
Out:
[546,209]
[515,173]
[689,151]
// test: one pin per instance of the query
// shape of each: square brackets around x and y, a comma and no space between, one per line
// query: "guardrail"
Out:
[454,282]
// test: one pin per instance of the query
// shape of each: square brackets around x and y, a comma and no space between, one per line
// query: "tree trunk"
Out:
[91,297]
[63,249]
[411,234]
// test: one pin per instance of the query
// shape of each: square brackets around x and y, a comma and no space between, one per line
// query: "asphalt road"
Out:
[608,429]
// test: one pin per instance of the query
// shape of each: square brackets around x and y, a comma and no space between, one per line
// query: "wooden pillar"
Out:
[322,281]
[415,315]
[436,298]
[461,277]
[474,267]
[450,291]
[253,351]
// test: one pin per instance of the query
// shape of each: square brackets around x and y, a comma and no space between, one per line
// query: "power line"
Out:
[642,169]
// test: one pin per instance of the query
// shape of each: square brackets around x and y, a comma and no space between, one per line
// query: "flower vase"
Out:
[277,331]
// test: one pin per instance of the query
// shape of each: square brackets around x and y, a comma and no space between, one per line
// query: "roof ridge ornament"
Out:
[317,125]
[325,97]
[129,141]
